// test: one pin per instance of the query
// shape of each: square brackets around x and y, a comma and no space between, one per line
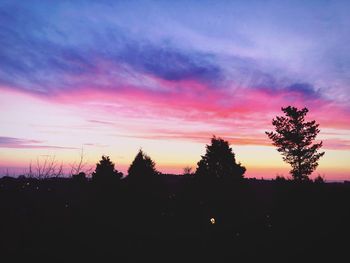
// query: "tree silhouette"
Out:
[142,167]
[105,170]
[293,138]
[219,161]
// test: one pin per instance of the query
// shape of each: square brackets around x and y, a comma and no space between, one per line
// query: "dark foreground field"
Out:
[170,219]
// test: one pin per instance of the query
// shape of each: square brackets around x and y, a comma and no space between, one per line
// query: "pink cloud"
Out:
[240,114]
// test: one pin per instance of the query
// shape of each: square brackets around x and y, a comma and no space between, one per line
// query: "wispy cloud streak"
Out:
[18,143]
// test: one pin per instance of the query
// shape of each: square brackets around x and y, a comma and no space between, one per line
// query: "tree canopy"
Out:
[219,161]
[142,167]
[294,139]
[105,170]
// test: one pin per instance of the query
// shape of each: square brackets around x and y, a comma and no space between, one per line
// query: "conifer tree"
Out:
[294,139]
[105,170]
[219,161]
[142,167]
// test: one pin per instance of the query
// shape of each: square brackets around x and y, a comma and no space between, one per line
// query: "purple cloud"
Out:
[17,143]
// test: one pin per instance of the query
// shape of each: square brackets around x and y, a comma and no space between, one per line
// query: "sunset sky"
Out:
[116,76]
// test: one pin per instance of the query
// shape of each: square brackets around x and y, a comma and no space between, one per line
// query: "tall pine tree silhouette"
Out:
[294,139]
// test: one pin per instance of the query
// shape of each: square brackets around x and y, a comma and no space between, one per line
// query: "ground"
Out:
[173,218]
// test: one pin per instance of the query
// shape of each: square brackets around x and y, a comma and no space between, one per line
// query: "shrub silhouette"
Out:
[293,138]
[319,180]
[80,177]
[105,170]
[142,167]
[219,161]
[187,171]
[280,178]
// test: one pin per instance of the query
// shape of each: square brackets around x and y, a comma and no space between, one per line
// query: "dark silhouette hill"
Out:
[176,218]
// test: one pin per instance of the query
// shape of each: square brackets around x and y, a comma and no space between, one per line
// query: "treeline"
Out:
[153,216]
[218,163]
[293,136]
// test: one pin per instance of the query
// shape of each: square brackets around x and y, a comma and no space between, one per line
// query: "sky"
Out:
[111,77]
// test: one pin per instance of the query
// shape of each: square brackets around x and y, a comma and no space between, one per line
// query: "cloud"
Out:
[46,53]
[202,137]
[60,58]
[31,60]
[336,144]
[167,63]
[96,144]
[17,143]
[305,89]
[35,56]
[101,122]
